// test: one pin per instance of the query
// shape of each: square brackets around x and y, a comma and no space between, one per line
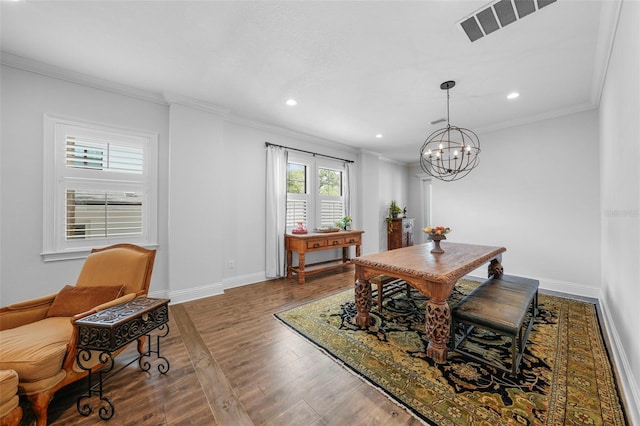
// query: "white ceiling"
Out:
[356,68]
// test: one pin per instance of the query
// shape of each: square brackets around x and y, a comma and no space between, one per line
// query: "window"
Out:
[314,191]
[330,196]
[297,194]
[100,187]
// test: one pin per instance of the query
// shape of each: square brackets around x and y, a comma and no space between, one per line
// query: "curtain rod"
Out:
[308,152]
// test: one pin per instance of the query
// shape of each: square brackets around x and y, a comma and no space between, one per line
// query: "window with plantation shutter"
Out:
[331,211]
[296,212]
[100,187]
[99,214]
[314,191]
[103,156]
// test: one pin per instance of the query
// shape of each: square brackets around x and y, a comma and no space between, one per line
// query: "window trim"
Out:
[54,187]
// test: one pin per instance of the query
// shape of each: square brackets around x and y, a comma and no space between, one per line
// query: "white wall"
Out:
[211,186]
[26,97]
[381,181]
[393,185]
[196,203]
[535,192]
[620,203]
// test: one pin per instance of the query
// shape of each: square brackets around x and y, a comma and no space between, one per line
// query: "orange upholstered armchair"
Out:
[38,338]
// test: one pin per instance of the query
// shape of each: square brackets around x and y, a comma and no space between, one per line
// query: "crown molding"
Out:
[19,62]
[586,106]
[174,98]
[609,18]
[258,125]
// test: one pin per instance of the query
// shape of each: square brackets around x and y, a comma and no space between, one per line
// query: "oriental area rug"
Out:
[566,376]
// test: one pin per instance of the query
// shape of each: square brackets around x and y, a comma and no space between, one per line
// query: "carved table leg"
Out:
[300,268]
[363,302]
[289,263]
[495,268]
[438,329]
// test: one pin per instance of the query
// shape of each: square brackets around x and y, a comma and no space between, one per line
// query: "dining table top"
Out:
[418,262]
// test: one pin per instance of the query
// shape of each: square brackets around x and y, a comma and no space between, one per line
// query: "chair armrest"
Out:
[122,299]
[26,312]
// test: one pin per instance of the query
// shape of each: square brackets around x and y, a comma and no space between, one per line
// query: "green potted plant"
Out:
[394,209]
[344,224]
[394,212]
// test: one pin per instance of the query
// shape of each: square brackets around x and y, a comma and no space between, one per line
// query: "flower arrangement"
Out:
[437,230]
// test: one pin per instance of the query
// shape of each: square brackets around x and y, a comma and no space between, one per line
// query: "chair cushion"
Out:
[36,351]
[76,300]
[8,387]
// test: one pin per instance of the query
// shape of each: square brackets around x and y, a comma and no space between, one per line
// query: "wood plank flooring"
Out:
[233,363]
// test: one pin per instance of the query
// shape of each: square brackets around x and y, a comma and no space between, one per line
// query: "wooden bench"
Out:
[500,304]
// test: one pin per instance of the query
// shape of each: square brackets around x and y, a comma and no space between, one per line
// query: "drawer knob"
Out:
[335,243]
[316,245]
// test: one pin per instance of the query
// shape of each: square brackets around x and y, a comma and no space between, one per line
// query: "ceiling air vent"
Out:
[499,14]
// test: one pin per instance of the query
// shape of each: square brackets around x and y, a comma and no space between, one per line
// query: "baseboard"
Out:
[557,286]
[630,389]
[569,288]
[194,293]
[241,280]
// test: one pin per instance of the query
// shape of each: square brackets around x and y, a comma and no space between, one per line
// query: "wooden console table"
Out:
[315,241]
[433,275]
[102,334]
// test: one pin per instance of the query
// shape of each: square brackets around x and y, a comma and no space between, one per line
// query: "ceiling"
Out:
[356,68]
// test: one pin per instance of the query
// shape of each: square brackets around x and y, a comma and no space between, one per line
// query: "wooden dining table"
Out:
[433,275]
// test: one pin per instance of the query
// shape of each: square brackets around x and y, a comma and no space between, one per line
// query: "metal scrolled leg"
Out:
[164,365]
[107,409]
[85,408]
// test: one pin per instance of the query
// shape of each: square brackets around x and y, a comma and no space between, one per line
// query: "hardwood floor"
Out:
[233,363]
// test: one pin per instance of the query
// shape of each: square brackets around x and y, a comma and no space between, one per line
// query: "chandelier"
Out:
[451,153]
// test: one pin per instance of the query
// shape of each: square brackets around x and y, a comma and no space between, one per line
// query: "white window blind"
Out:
[96,214]
[331,211]
[84,153]
[296,212]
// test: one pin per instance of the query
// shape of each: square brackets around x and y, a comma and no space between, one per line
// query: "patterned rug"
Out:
[565,375]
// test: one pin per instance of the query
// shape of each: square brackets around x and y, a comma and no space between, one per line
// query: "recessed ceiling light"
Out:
[379,136]
[513,95]
[292,102]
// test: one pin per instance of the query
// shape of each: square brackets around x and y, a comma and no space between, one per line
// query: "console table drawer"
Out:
[353,240]
[335,242]
[316,244]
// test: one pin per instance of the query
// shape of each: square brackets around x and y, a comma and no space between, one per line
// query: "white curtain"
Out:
[347,188]
[276,182]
